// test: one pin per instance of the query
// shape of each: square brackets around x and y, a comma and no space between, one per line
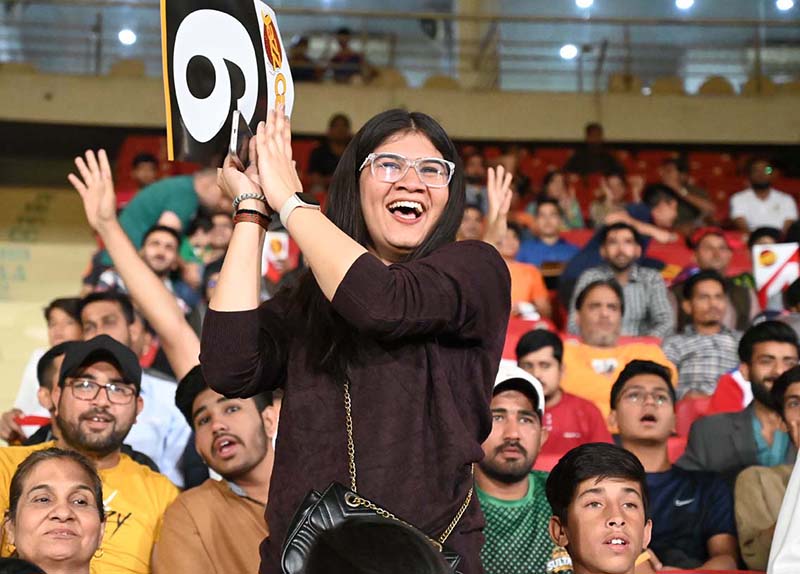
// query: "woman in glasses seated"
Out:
[388,346]
[55,516]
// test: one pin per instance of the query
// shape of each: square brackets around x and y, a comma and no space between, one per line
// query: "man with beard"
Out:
[713,252]
[647,308]
[760,205]
[97,401]
[511,495]
[692,512]
[705,349]
[218,526]
[569,420]
[471,223]
[730,442]
[160,431]
[594,361]
[760,490]
[160,252]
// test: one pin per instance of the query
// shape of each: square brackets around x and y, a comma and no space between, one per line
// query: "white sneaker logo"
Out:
[680,503]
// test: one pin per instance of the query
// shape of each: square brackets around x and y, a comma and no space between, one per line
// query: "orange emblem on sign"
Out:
[272,43]
[767,258]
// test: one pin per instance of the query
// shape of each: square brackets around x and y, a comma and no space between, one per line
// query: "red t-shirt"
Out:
[572,422]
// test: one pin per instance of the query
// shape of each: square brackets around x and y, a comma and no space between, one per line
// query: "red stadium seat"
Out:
[675,447]
[687,411]
[546,462]
[676,253]
[518,327]
[579,237]
[553,156]
[301,152]
[705,161]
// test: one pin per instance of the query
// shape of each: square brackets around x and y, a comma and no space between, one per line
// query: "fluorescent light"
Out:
[568,51]
[684,4]
[127,37]
[584,3]
[784,5]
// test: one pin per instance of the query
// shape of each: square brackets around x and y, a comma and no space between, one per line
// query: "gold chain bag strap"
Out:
[336,504]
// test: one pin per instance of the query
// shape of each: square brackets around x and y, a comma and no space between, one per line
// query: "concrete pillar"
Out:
[477,57]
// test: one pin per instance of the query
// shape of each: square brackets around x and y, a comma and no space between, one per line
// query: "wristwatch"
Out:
[297,200]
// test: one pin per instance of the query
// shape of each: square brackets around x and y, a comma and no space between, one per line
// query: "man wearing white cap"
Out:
[512,496]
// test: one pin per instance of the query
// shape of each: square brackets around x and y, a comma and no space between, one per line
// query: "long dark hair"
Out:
[333,342]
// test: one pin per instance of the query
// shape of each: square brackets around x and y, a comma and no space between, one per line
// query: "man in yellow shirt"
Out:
[97,401]
[594,361]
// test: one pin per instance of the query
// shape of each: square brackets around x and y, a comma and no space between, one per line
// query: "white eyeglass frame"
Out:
[370,159]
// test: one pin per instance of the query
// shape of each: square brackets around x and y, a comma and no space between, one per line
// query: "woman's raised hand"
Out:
[233,182]
[276,170]
[96,188]
[498,191]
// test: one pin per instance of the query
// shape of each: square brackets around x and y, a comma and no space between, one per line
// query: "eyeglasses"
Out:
[87,390]
[640,397]
[392,167]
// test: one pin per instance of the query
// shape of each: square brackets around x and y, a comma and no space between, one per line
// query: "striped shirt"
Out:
[702,359]
[647,309]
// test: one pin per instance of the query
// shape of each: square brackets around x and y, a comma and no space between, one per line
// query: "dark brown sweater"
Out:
[432,333]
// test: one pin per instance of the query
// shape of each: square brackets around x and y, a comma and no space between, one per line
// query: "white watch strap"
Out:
[290,205]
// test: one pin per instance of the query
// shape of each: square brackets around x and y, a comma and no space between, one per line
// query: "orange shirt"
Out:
[527,283]
[590,372]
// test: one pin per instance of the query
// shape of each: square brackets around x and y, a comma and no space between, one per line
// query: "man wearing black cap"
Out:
[511,495]
[218,526]
[96,403]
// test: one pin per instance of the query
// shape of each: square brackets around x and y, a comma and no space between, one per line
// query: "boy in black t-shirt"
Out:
[693,521]
[600,512]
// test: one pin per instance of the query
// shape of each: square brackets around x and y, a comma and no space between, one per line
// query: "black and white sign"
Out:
[219,55]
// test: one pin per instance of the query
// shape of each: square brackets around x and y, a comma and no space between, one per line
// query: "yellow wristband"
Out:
[643,557]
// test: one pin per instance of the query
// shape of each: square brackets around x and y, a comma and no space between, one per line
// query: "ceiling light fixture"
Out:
[568,51]
[127,37]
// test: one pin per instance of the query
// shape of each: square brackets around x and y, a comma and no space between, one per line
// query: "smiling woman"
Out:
[55,517]
[395,328]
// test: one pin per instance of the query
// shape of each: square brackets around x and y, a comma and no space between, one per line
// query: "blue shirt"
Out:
[770,455]
[160,430]
[687,509]
[589,255]
[535,251]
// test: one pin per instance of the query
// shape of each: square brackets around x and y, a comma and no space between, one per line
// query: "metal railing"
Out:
[515,52]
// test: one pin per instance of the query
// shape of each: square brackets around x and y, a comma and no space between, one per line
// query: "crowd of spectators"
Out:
[621,351]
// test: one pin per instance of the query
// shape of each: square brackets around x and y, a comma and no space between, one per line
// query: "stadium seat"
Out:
[301,152]
[670,85]
[789,88]
[389,78]
[624,84]
[675,447]
[440,82]
[716,86]
[128,67]
[762,86]
[687,411]
[675,253]
[518,327]
[579,237]
[553,156]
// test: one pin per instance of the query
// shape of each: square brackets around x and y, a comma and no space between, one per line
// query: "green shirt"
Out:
[517,540]
[175,194]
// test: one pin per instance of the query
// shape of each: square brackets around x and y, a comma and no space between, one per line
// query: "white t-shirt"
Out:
[773,211]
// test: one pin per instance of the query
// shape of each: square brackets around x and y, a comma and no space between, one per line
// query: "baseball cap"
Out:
[102,348]
[704,232]
[47,359]
[511,378]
